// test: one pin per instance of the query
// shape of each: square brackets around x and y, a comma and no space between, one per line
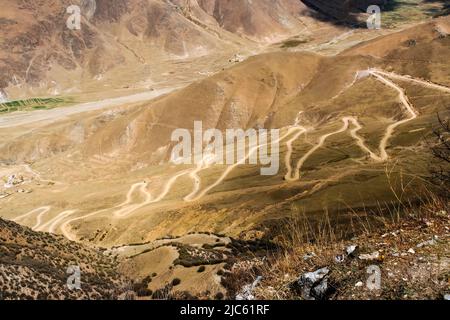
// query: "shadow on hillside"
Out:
[348,12]
[345,12]
[439,13]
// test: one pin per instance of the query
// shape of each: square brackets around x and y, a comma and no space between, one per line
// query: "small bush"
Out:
[176,282]
[201,269]
[219,296]
[144,292]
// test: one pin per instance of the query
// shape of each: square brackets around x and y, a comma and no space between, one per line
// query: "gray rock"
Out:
[313,285]
[309,256]
[431,242]
[373,256]
[339,258]
[351,250]
[247,291]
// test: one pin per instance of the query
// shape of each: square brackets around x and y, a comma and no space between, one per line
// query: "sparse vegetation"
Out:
[176,282]
[193,257]
[293,43]
[219,296]
[410,269]
[33,266]
[441,150]
[201,269]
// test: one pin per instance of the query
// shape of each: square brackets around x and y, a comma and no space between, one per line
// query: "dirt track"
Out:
[16,119]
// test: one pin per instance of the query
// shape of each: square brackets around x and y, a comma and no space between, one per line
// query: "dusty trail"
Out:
[360,141]
[231,168]
[52,224]
[322,140]
[142,188]
[65,224]
[128,206]
[424,83]
[206,163]
[290,150]
[354,133]
[40,211]
[169,184]
[39,220]
[409,107]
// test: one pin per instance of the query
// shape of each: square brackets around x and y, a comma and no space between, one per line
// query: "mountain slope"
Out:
[33,266]
[43,55]
[342,120]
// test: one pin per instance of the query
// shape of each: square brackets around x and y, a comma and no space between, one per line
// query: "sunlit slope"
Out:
[353,129]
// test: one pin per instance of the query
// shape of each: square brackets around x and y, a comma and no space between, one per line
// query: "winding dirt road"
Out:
[413,114]
[231,168]
[206,163]
[40,213]
[301,162]
[126,208]
[409,107]
[360,141]
[423,83]
[52,223]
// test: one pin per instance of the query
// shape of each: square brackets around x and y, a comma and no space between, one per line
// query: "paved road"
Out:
[16,119]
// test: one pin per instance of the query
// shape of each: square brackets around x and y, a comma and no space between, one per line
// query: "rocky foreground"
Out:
[409,260]
[37,265]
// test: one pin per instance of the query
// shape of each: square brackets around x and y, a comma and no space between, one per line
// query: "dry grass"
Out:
[408,272]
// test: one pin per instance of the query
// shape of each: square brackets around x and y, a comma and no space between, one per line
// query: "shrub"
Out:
[176,282]
[441,152]
[219,296]
[201,269]
[144,292]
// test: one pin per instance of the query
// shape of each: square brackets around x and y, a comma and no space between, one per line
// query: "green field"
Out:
[34,104]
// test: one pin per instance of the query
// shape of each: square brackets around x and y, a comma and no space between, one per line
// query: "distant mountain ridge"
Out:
[37,43]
